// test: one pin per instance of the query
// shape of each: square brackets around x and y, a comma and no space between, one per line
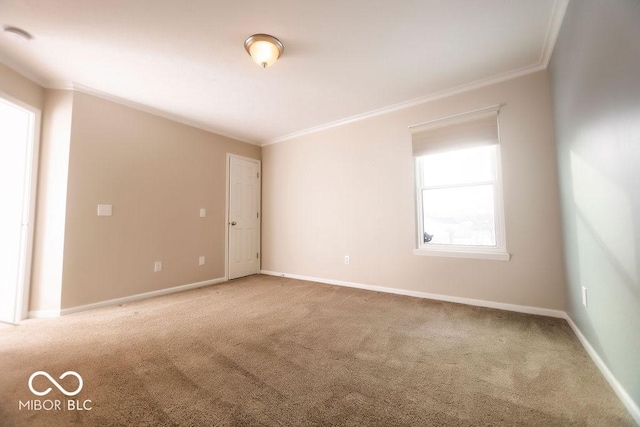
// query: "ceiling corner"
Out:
[555,23]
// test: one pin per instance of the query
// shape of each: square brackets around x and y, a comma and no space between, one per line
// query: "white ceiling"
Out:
[343,58]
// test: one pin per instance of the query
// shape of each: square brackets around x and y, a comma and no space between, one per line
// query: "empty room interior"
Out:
[418,212]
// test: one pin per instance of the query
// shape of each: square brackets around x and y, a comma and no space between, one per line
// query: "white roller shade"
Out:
[457,132]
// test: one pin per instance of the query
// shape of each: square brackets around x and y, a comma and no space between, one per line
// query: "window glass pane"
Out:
[459,167]
[459,216]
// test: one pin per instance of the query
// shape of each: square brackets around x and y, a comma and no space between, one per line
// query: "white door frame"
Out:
[226,210]
[28,209]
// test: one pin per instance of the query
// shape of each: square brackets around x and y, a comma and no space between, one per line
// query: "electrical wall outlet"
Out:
[203,213]
[201,260]
[585,302]
[346,259]
[105,210]
[157,266]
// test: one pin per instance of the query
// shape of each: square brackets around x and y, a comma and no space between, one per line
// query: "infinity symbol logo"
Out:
[55,383]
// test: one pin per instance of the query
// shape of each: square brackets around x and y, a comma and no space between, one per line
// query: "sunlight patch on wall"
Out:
[606,212]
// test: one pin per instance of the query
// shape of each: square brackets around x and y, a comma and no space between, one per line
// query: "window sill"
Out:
[463,253]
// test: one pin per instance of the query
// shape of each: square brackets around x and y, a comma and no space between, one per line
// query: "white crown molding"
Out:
[411,103]
[553,30]
[9,63]
[76,87]
[439,297]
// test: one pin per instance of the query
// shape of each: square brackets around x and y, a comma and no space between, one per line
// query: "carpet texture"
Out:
[275,351]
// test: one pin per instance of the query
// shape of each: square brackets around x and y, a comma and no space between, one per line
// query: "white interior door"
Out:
[244,217]
[17,178]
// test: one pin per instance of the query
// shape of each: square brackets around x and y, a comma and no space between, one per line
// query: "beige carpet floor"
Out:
[275,351]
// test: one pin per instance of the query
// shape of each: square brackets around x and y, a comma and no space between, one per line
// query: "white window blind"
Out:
[474,129]
[459,207]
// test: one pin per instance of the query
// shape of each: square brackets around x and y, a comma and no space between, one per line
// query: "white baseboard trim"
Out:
[123,300]
[117,301]
[624,397]
[460,300]
[627,401]
[43,314]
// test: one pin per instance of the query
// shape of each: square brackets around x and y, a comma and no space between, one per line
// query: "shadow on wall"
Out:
[605,233]
[604,214]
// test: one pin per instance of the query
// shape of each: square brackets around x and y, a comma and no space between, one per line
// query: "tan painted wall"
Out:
[349,190]
[157,174]
[48,253]
[19,87]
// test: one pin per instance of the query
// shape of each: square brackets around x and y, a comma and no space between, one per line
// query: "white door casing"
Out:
[19,129]
[243,222]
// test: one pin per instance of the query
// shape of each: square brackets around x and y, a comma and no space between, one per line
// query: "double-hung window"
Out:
[459,207]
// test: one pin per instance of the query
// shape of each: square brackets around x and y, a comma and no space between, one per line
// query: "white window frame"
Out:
[498,252]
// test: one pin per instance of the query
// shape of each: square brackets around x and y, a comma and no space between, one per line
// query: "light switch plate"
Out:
[105,210]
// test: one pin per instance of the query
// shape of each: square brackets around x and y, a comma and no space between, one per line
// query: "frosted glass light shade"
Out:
[264,49]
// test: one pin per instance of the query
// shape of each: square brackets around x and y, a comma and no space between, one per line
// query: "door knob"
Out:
[233,223]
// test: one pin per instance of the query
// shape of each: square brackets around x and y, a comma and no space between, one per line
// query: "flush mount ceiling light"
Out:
[17,34]
[264,49]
